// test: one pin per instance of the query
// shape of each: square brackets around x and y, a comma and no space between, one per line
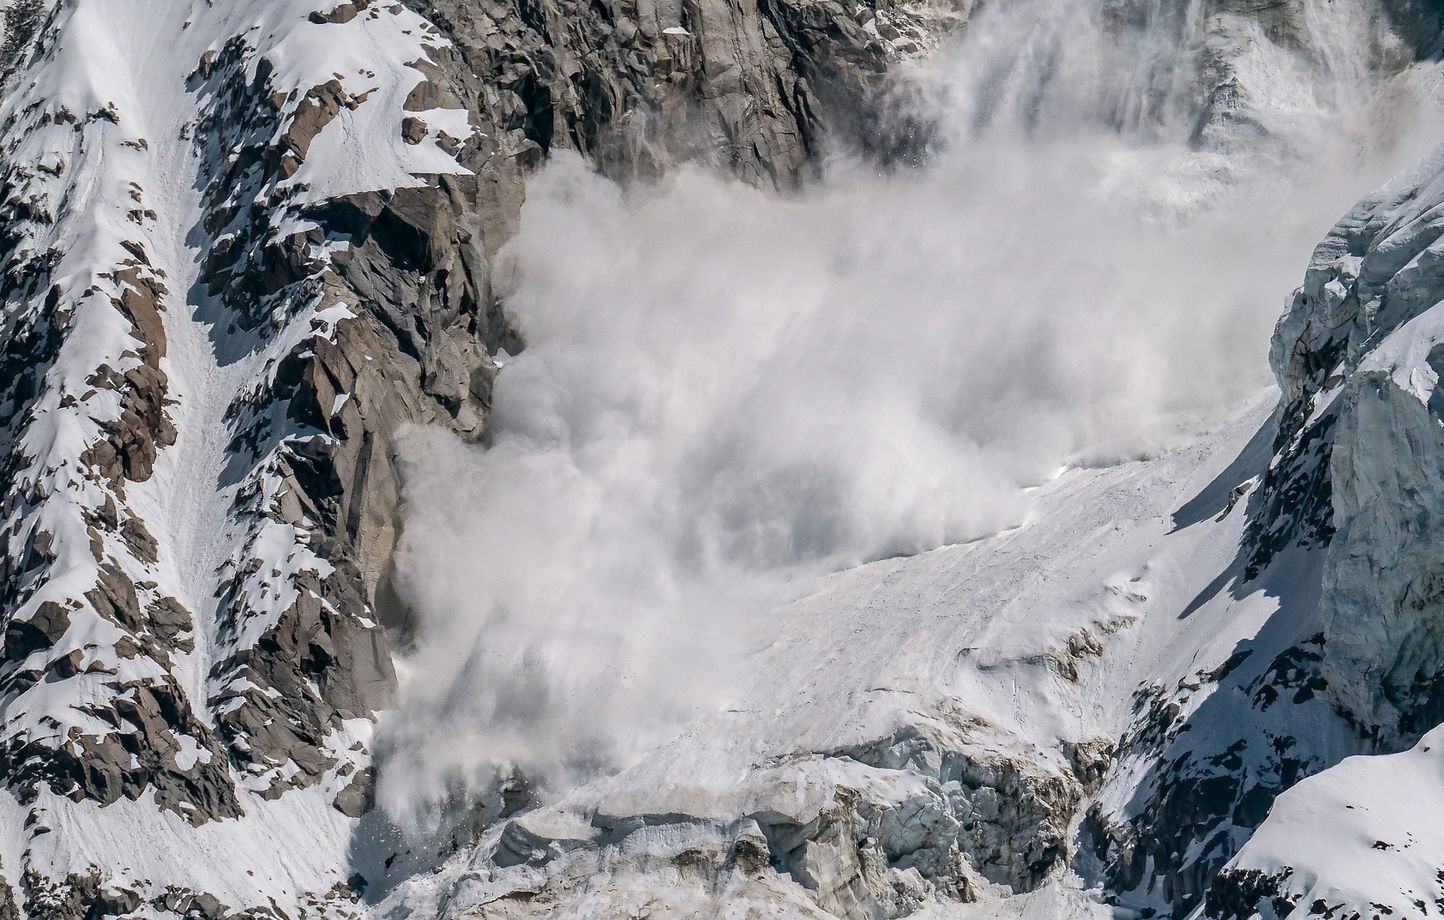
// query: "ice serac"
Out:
[1343,529]
[243,244]
[1358,355]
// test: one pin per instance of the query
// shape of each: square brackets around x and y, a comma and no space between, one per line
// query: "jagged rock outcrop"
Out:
[751,87]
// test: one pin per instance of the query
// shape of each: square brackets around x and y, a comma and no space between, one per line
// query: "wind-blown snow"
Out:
[726,393]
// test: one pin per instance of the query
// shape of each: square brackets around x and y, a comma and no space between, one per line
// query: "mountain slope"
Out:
[920,728]
[246,244]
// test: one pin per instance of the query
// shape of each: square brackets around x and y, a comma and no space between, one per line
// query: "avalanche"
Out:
[435,486]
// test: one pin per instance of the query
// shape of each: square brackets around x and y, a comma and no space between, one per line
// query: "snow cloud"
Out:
[728,393]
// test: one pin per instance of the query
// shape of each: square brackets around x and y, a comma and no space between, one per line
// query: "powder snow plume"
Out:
[728,393]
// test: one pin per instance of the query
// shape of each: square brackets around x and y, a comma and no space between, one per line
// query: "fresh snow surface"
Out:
[1366,831]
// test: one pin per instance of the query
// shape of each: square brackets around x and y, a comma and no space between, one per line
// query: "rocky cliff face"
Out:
[751,88]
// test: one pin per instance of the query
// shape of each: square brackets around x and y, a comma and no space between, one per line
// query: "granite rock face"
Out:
[751,87]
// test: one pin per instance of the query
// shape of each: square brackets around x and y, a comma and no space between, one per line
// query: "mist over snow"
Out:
[728,393]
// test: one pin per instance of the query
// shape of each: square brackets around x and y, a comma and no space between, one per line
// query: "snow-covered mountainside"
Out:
[266,262]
